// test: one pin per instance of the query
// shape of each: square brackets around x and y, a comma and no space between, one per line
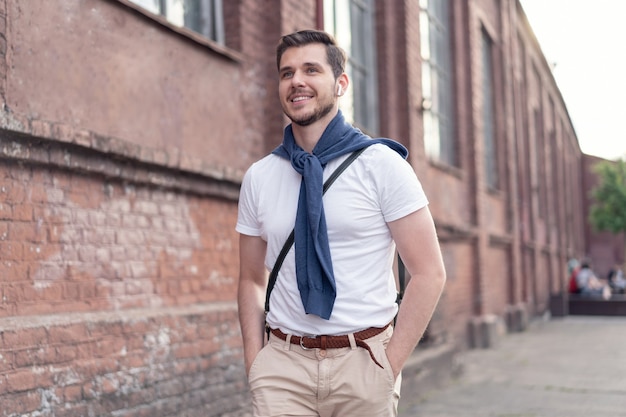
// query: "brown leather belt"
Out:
[334,342]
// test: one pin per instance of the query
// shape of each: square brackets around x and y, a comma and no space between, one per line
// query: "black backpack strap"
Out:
[401,280]
[283,252]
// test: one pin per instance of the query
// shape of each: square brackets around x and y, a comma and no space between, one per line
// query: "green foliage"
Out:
[608,211]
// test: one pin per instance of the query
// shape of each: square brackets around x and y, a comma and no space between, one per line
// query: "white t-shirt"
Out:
[378,187]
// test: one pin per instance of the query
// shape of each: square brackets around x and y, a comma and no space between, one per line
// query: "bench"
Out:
[588,306]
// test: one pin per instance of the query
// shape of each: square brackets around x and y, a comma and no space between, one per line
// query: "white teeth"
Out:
[299,99]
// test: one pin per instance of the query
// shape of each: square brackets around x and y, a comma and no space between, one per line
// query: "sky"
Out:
[585,42]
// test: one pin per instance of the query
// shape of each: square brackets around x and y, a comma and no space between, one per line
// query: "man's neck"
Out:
[308,136]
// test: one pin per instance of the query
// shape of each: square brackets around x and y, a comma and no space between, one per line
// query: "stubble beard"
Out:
[317,114]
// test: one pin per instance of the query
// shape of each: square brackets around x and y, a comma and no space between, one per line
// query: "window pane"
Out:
[201,16]
[491,171]
[437,82]
[150,5]
[352,24]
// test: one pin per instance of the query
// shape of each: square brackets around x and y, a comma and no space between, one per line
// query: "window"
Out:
[352,24]
[202,16]
[437,82]
[488,110]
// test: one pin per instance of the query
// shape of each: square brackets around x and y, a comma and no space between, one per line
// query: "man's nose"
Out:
[297,80]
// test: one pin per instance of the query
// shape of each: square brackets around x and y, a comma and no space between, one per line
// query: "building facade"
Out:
[125,130]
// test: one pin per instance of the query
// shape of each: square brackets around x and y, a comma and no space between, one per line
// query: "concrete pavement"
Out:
[561,367]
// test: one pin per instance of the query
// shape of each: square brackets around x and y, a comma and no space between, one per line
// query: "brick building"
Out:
[125,130]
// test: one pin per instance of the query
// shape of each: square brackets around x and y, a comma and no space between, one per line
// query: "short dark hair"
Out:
[334,54]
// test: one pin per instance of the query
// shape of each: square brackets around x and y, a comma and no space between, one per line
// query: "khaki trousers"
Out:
[287,380]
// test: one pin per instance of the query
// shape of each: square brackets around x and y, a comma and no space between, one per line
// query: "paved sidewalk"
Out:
[562,367]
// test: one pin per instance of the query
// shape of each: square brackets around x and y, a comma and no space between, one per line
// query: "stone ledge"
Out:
[64,319]
[426,370]
[117,165]
[11,123]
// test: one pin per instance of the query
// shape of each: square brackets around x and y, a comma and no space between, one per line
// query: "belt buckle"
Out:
[302,340]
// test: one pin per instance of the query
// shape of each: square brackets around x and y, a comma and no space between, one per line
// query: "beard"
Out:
[307,119]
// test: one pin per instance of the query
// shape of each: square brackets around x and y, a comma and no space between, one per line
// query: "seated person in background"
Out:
[588,283]
[616,279]
[573,267]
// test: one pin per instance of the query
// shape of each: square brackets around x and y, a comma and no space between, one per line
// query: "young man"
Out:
[331,350]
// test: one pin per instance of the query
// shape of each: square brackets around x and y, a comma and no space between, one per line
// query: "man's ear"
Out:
[343,83]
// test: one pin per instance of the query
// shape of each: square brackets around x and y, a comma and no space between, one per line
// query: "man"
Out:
[588,283]
[331,350]
[616,279]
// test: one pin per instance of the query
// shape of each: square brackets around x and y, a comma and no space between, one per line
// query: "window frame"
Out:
[438,84]
[197,37]
[489,115]
[360,102]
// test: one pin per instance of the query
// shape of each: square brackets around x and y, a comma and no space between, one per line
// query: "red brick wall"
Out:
[133,363]
[75,243]
[521,234]
[121,153]
[115,295]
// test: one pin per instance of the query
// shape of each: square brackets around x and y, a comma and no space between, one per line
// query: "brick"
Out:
[67,334]
[6,210]
[21,381]
[25,232]
[16,194]
[38,356]
[72,393]
[134,360]
[73,410]
[109,385]
[92,368]
[11,271]
[22,212]
[104,329]
[4,229]
[47,272]
[11,251]
[7,360]
[87,289]
[21,403]
[109,347]
[71,290]
[25,337]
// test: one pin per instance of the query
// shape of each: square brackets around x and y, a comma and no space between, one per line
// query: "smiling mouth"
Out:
[300,98]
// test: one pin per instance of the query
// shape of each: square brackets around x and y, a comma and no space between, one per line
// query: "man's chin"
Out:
[309,119]
[302,120]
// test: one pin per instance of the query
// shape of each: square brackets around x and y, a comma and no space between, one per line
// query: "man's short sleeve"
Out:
[247,219]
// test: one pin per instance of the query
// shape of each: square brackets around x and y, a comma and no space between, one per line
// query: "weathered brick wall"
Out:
[518,236]
[144,362]
[73,242]
[116,295]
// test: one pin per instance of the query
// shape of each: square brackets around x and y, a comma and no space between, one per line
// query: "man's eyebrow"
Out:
[305,64]
[312,64]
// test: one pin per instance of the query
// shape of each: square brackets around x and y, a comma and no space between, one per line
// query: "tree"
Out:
[608,211]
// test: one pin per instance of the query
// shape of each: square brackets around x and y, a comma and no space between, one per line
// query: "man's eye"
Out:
[312,70]
[287,74]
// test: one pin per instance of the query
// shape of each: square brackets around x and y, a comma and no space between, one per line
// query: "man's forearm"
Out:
[419,302]
[251,320]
